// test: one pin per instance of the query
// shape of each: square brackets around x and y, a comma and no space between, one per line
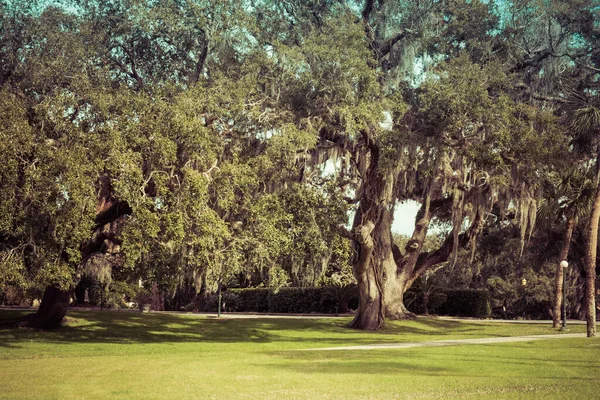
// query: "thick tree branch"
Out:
[344,232]
[385,47]
[201,61]
[533,61]
[429,259]
[369,6]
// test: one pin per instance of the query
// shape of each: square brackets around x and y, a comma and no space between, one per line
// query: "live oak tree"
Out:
[144,141]
[454,142]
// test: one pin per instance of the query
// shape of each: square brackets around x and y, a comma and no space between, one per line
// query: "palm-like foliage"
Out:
[341,293]
[567,194]
[568,198]
[583,117]
[425,293]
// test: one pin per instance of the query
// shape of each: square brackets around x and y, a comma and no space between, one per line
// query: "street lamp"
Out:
[219,301]
[564,264]
[523,285]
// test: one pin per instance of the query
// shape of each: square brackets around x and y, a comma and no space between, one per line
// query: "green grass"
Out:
[159,356]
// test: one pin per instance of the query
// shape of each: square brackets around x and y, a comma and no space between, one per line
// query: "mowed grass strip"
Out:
[100,355]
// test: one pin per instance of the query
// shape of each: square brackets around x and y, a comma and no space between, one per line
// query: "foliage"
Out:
[296,300]
[230,301]
[192,143]
[424,295]
[342,294]
[143,297]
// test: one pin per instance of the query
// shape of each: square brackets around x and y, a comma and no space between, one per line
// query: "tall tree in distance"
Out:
[568,195]
[585,121]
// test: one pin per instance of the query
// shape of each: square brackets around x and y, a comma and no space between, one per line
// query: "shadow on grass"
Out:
[442,362]
[133,327]
[365,364]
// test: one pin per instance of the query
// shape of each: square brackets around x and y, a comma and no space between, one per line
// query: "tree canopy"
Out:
[189,142]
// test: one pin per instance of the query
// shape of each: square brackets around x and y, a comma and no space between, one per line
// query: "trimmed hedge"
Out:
[460,303]
[286,300]
[466,303]
[300,300]
[252,299]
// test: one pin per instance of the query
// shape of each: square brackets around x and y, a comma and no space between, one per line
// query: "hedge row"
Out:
[286,300]
[461,303]
[466,303]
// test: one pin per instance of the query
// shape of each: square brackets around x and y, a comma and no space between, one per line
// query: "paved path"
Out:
[455,342]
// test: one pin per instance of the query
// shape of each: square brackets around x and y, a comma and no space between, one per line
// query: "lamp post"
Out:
[523,284]
[564,264]
[219,300]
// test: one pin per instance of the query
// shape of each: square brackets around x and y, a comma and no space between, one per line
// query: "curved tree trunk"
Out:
[558,279]
[590,266]
[52,309]
[372,243]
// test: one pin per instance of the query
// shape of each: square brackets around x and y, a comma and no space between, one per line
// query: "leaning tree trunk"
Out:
[52,309]
[103,243]
[590,265]
[558,279]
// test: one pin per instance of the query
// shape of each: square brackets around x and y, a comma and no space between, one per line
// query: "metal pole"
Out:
[219,306]
[564,264]
[564,301]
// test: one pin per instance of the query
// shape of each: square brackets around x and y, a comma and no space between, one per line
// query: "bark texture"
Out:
[52,309]
[559,279]
[372,245]
[590,266]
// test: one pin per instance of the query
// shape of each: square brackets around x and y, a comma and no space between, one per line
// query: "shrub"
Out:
[466,303]
[143,298]
[295,300]
[13,295]
[342,294]
[424,295]
[229,302]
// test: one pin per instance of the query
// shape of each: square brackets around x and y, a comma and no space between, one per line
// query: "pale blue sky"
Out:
[404,217]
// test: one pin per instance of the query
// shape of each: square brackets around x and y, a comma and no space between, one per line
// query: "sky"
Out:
[404,218]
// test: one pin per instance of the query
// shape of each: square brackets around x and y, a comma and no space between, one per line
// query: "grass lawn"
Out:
[118,355]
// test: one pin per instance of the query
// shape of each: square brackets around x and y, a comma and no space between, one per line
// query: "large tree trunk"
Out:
[371,235]
[369,264]
[103,243]
[590,266]
[558,279]
[383,273]
[52,309]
